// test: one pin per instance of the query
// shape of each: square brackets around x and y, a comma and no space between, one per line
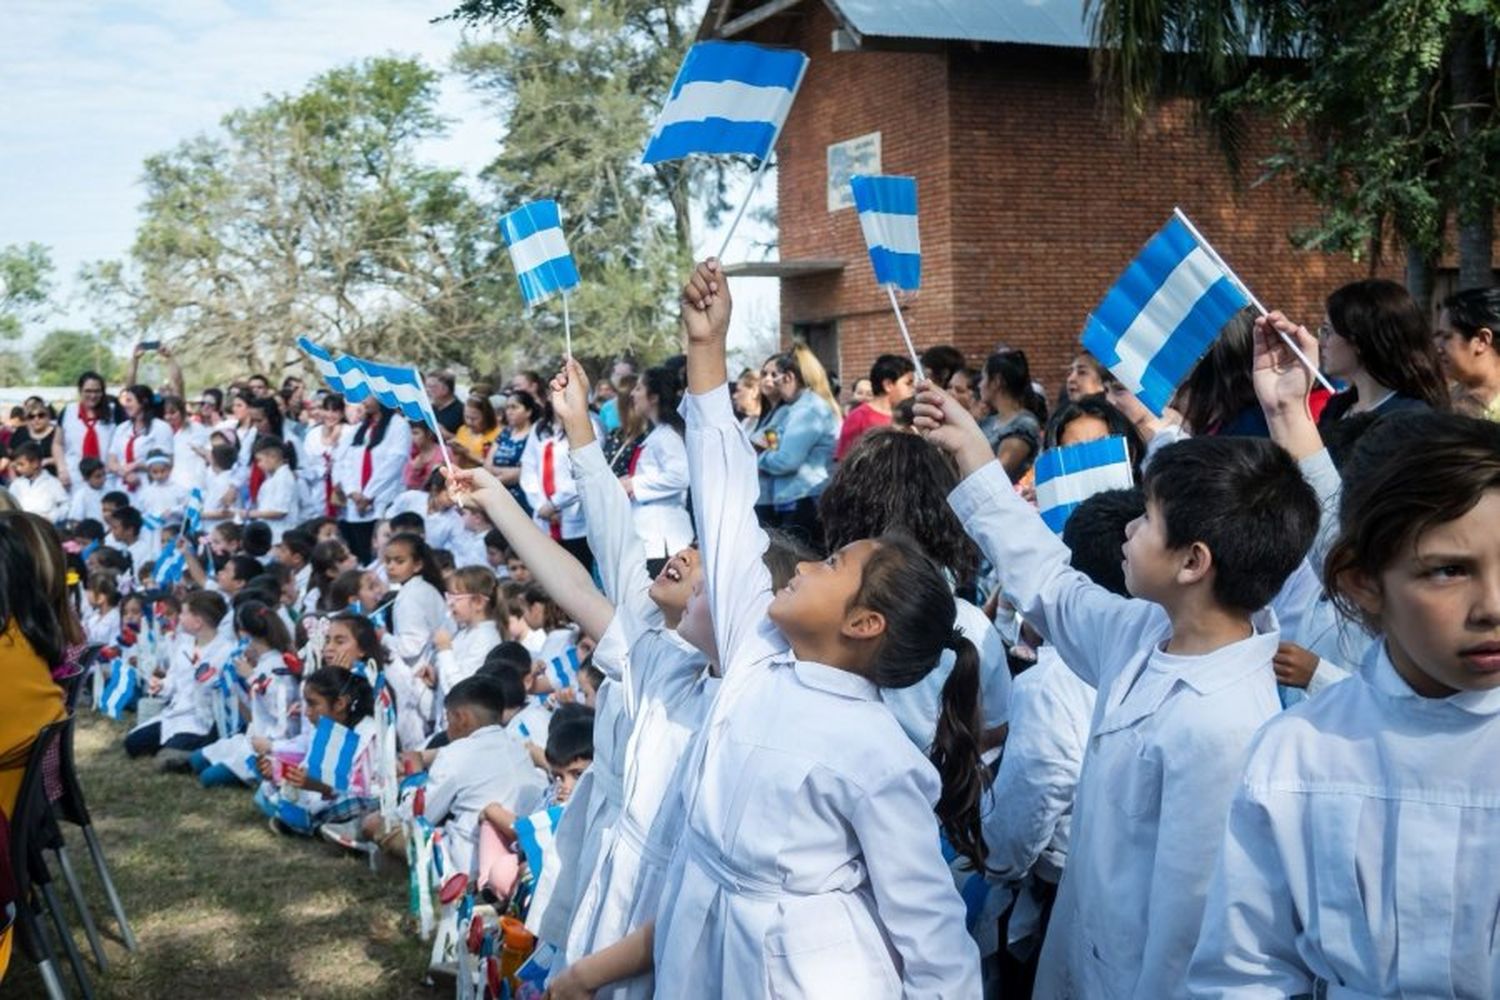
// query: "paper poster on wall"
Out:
[860,155]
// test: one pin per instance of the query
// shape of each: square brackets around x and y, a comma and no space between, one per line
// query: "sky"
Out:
[93,87]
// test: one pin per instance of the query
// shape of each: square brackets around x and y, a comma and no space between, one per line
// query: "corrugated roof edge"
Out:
[1048,23]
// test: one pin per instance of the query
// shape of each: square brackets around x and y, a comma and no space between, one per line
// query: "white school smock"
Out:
[74,432]
[488,765]
[221,489]
[187,710]
[417,611]
[86,502]
[41,495]
[387,462]
[125,438]
[565,492]
[809,863]
[167,500]
[319,469]
[274,694]
[1362,850]
[279,493]
[1167,743]
[660,484]
[442,526]
[103,628]
[471,644]
[189,467]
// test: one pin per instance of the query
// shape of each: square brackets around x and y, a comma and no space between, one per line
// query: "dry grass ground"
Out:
[222,907]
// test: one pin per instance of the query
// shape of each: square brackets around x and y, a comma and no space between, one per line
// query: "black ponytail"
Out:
[334,683]
[956,755]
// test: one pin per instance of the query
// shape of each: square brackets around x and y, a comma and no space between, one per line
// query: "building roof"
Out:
[1057,23]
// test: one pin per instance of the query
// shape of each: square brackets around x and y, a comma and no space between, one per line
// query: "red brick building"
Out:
[1031,198]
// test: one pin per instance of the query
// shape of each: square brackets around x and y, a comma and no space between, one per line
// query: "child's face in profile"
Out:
[567,777]
[461,721]
[494,557]
[371,591]
[95,479]
[536,615]
[1151,567]
[315,706]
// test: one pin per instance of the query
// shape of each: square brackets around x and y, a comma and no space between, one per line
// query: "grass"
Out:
[220,905]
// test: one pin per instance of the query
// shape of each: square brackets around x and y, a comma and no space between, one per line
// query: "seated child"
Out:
[35,489]
[294,801]
[186,722]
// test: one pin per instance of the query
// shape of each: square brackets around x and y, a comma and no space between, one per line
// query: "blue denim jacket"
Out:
[799,465]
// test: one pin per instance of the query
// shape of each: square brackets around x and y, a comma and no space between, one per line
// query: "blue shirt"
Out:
[799,464]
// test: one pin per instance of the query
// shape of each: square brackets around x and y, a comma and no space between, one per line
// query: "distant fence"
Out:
[14,395]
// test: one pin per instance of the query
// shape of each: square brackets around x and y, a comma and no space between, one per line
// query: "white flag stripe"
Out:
[1076,487]
[1196,274]
[731,100]
[538,248]
[897,233]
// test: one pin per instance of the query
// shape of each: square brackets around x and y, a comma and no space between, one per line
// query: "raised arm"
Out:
[553,566]
[1088,624]
[721,465]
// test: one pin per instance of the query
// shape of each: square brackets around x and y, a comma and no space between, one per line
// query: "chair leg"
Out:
[54,907]
[97,853]
[50,980]
[84,914]
[30,931]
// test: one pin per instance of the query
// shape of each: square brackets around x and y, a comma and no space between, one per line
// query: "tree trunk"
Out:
[1419,268]
[1472,110]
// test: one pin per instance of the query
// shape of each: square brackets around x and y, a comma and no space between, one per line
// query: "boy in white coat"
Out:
[1183,675]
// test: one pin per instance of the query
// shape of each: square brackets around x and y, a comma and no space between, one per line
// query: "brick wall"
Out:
[1031,198]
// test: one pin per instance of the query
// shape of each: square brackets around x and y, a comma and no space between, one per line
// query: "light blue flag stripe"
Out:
[331,754]
[1163,313]
[1066,477]
[728,97]
[536,839]
[119,691]
[397,387]
[887,208]
[904,270]
[539,250]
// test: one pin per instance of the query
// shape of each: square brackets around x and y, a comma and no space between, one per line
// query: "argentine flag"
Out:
[729,97]
[533,234]
[396,386]
[1066,477]
[1163,314]
[119,690]
[170,566]
[887,209]
[562,669]
[331,755]
[192,518]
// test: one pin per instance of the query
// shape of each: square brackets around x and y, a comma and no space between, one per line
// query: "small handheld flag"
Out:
[562,669]
[887,209]
[534,236]
[536,836]
[170,566]
[729,97]
[119,690]
[1066,477]
[398,387]
[331,755]
[192,518]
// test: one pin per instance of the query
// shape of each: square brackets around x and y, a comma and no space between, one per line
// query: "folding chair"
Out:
[52,771]
[29,834]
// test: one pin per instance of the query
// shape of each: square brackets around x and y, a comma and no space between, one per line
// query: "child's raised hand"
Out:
[706,303]
[948,424]
[1282,383]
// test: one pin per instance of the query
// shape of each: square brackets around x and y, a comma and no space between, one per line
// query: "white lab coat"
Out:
[1362,850]
[86,502]
[809,862]
[318,469]
[564,493]
[189,467]
[488,765]
[660,484]
[125,438]
[274,707]
[278,493]
[189,705]
[74,433]
[462,661]
[1167,742]
[418,611]
[42,495]
[387,461]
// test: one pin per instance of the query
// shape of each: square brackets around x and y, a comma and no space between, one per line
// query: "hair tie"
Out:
[955,638]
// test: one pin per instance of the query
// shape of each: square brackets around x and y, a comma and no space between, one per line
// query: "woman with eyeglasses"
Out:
[37,426]
[87,427]
[1377,339]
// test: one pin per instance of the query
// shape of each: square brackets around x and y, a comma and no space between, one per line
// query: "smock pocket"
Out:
[817,950]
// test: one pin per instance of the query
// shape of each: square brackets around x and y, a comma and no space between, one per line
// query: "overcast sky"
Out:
[93,87]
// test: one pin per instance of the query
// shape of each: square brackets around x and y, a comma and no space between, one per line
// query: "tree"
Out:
[1386,108]
[25,286]
[474,13]
[63,355]
[578,103]
[311,214]
[13,368]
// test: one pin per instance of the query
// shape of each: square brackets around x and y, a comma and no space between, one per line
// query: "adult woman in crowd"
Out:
[797,457]
[425,456]
[966,386]
[658,480]
[1469,354]
[481,427]
[243,426]
[140,432]
[522,411]
[87,427]
[621,444]
[1014,427]
[370,475]
[547,481]
[189,443]
[1086,377]
[323,447]
[747,400]
[38,426]
[815,377]
[211,410]
[1376,338]
[266,419]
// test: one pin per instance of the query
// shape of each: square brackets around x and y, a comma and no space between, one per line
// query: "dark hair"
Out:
[410,521]
[118,498]
[31,608]
[1472,310]
[665,383]
[902,584]
[256,537]
[445,377]
[223,456]
[299,543]
[787,362]
[170,402]
[230,531]
[1095,534]
[244,568]
[266,442]
[366,637]
[1219,388]
[888,368]
[939,362]
[88,466]
[325,560]
[334,683]
[369,435]
[508,657]
[422,554]
[570,735]
[148,400]
[528,402]
[783,553]
[217,395]
[111,560]
[342,592]
[260,621]
[1246,501]
[895,481]
[208,605]
[1392,337]
[129,518]
[483,693]
[1410,473]
[1101,409]
[29,450]
[495,539]
[487,419]
[1013,372]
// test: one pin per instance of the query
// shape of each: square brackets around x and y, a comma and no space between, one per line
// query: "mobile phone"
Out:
[150,345]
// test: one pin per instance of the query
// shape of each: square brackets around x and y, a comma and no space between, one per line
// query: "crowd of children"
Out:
[680,686]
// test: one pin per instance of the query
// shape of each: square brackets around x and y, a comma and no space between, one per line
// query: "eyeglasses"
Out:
[38,415]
